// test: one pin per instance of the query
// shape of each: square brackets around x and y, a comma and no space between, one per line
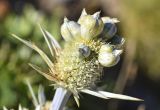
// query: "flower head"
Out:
[78,66]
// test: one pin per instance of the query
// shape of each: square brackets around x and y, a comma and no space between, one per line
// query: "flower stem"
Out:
[60,99]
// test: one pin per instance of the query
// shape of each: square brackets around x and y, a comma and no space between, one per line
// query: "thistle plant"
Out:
[91,44]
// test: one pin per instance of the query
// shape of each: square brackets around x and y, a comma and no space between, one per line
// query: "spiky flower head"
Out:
[82,59]
[78,66]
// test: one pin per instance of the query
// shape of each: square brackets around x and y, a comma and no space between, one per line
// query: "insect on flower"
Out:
[78,66]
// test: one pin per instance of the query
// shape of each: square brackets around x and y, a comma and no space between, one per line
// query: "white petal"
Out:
[118,96]
[94,93]
[51,42]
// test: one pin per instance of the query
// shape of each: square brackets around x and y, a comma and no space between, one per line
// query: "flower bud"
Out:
[84,50]
[91,25]
[107,56]
[70,29]
[117,42]
[108,59]
[109,30]
[84,13]
[106,48]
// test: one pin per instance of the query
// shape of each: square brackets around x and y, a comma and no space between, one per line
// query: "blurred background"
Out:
[137,74]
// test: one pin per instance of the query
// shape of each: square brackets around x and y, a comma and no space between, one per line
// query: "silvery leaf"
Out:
[118,96]
[94,93]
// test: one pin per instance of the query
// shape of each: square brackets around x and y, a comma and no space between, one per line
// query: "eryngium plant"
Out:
[91,44]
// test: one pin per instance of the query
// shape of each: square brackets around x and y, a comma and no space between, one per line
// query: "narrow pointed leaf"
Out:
[48,76]
[118,96]
[77,100]
[48,41]
[51,42]
[35,101]
[42,54]
[41,95]
[94,93]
